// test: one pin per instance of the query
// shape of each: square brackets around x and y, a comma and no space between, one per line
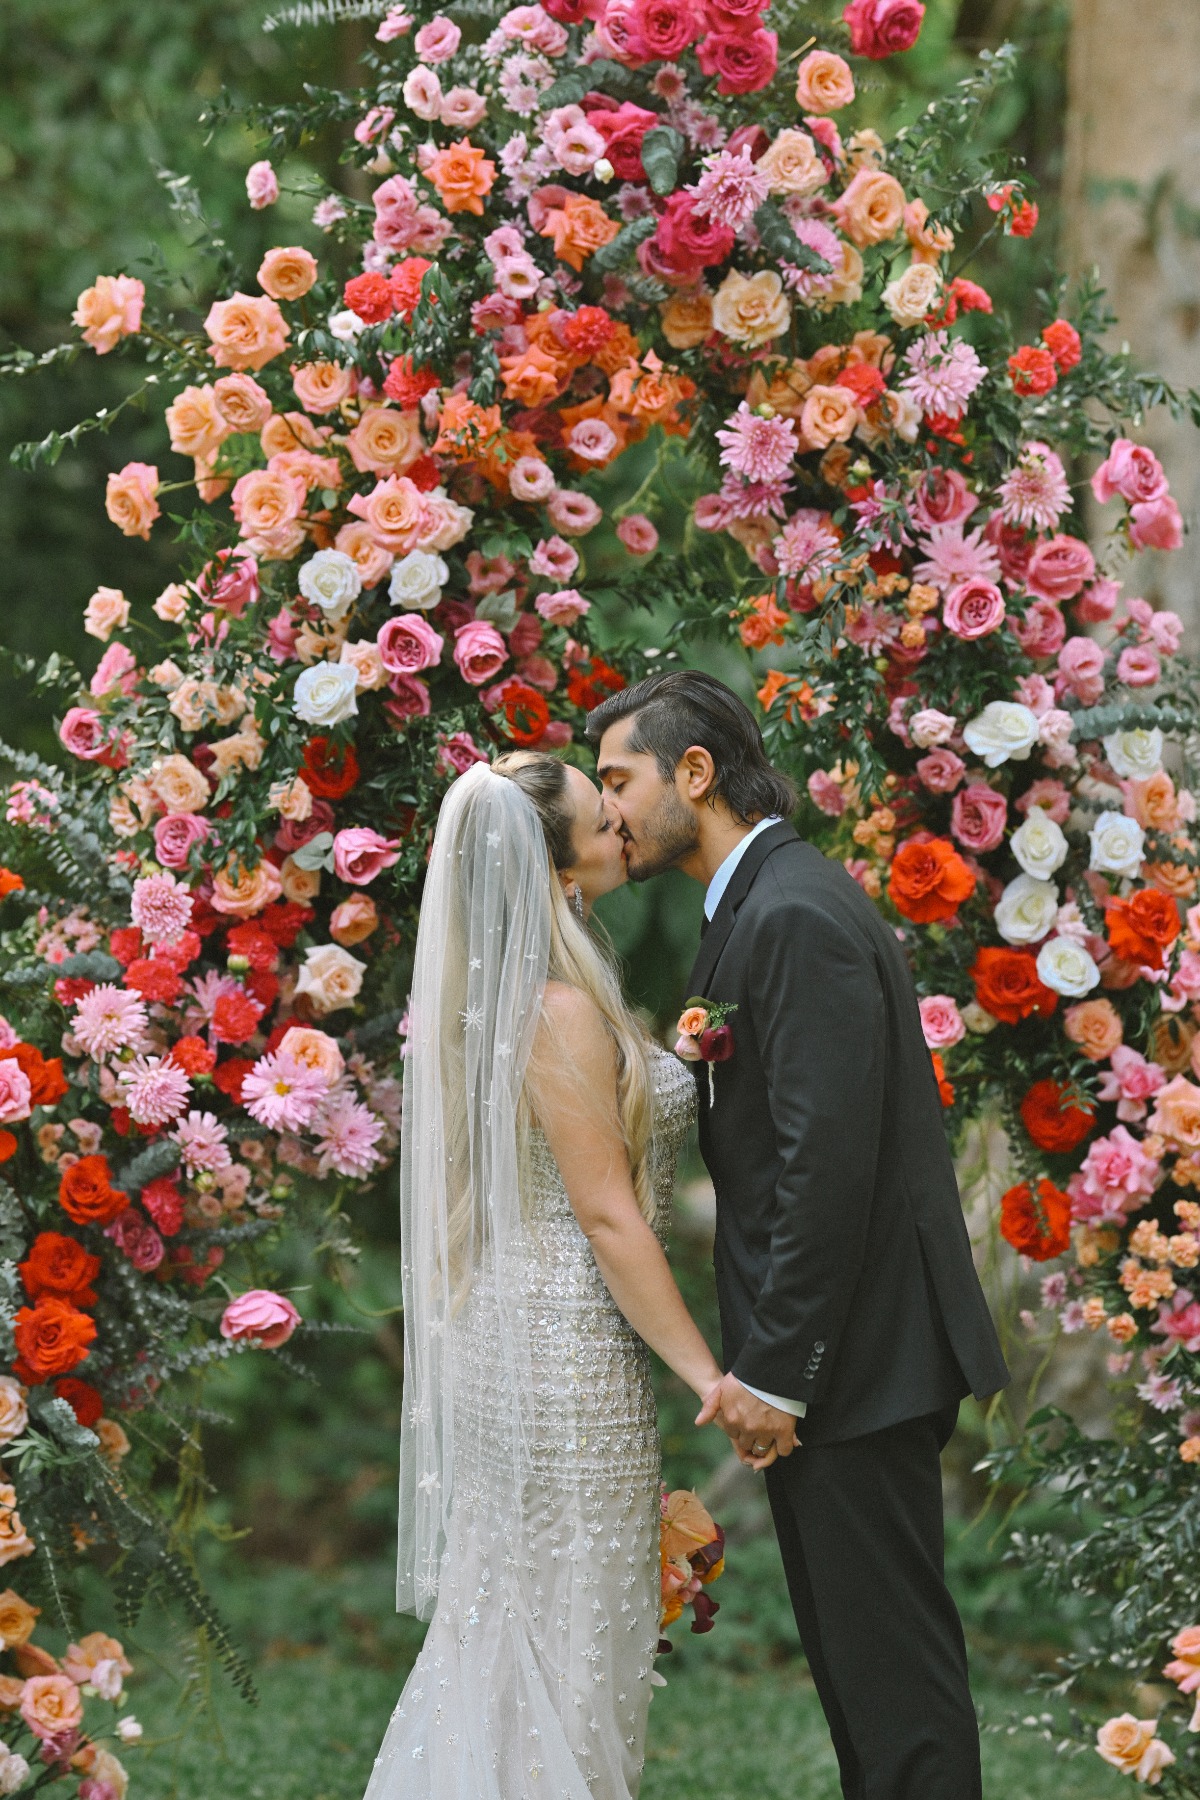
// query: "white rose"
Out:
[1132,755]
[1004,729]
[1118,844]
[1026,910]
[1064,965]
[14,1772]
[977,1018]
[325,694]
[346,326]
[331,977]
[929,727]
[1039,845]
[417,581]
[331,580]
[913,294]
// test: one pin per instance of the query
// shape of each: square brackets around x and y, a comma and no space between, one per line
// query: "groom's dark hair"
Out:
[682,707]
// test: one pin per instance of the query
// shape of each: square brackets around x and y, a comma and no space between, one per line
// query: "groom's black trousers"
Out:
[860,1526]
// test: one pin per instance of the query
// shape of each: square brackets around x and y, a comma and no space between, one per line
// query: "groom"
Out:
[852,1317]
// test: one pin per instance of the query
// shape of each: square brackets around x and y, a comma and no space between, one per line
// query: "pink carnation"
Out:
[1130,1082]
[261,1317]
[262,185]
[637,534]
[1115,1178]
[826,793]
[562,608]
[1081,669]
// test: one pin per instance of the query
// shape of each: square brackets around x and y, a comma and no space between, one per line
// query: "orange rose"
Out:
[465,428]
[872,208]
[462,176]
[17,1619]
[531,377]
[246,331]
[784,389]
[52,1337]
[315,1049]
[110,311]
[929,242]
[47,1082]
[828,416]
[287,273]
[282,432]
[385,441]
[791,164]
[579,227]
[243,892]
[129,498]
[929,880]
[1142,927]
[1095,1026]
[322,386]
[1007,985]
[764,625]
[693,1021]
[1152,802]
[1039,1228]
[1132,1746]
[107,611]
[687,320]
[86,1193]
[353,920]
[196,423]
[824,83]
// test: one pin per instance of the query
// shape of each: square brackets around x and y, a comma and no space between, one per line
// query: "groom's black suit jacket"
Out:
[843,1265]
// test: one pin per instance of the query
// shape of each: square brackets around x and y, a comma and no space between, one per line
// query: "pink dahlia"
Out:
[1035,493]
[109,1019]
[154,1089]
[953,556]
[162,907]
[944,373]
[740,499]
[759,449]
[731,189]
[203,1143]
[283,1093]
[806,545]
[350,1132]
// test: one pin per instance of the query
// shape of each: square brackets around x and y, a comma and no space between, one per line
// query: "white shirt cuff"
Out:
[797,1408]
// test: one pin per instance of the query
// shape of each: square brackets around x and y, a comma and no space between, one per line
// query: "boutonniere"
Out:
[703,1034]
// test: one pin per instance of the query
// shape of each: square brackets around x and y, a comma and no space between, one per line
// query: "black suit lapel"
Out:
[722,922]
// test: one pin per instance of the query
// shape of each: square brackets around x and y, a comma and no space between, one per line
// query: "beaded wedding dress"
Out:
[534,1679]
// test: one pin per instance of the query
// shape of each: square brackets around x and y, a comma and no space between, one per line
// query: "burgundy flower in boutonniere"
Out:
[703,1034]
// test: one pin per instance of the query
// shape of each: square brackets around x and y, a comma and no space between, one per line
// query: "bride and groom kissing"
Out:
[541,1131]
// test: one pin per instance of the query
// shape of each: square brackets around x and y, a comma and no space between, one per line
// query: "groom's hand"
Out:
[760,1433]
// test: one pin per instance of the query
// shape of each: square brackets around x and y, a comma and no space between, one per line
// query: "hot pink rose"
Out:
[409,643]
[941,771]
[259,1315]
[687,241]
[116,668]
[360,854]
[1097,601]
[1156,524]
[743,61]
[880,28]
[230,581]
[941,1021]
[457,753]
[978,817]
[943,498]
[1130,470]
[479,651]
[1138,666]
[1081,669]
[410,700]
[623,128]
[1012,546]
[663,29]
[137,1239]
[1042,631]
[1058,567]
[637,534]
[82,733]
[974,609]
[175,835]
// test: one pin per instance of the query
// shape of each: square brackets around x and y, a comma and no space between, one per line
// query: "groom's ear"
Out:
[696,774]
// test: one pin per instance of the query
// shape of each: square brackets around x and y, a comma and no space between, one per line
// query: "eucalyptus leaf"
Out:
[662,149]
[316,854]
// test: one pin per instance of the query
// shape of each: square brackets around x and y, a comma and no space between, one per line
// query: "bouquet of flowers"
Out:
[692,1557]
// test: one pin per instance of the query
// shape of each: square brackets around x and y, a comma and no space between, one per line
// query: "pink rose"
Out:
[978,817]
[175,835]
[1058,567]
[974,609]
[409,643]
[479,651]
[260,1316]
[410,700]
[437,41]
[943,498]
[1081,669]
[941,771]
[1115,1178]
[637,534]
[744,61]
[880,28]
[928,728]
[16,1094]
[825,793]
[1138,666]
[623,128]
[1096,602]
[262,185]
[562,608]
[663,28]
[82,733]
[554,559]
[229,581]
[116,668]
[1130,470]
[1042,631]
[137,1239]
[941,1021]
[457,753]
[1156,524]
[360,854]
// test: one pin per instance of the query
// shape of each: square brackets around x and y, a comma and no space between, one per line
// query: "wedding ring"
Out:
[759,1450]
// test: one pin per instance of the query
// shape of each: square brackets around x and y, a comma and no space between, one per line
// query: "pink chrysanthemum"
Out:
[952,557]
[806,545]
[155,1089]
[110,1019]
[731,189]
[162,907]
[809,284]
[1035,493]
[203,1143]
[350,1134]
[759,449]
[702,129]
[1161,1392]
[945,372]
[282,1093]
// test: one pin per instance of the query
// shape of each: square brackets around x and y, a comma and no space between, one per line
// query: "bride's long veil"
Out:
[479,975]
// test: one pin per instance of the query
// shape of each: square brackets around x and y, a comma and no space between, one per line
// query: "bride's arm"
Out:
[574,1077]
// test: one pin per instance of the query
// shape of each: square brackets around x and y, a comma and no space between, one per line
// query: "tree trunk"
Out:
[1131,208]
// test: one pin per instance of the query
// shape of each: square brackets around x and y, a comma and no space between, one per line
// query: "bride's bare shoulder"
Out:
[573,1024]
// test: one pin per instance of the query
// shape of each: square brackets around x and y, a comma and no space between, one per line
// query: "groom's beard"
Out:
[670,832]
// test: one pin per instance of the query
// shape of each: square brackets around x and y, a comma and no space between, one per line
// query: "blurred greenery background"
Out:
[295,1498]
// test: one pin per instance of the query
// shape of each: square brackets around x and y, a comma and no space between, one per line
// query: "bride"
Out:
[541,1130]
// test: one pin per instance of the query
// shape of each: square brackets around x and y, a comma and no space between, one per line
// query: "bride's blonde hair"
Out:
[579,960]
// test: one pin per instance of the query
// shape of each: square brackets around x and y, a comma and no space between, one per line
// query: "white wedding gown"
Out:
[534,1679]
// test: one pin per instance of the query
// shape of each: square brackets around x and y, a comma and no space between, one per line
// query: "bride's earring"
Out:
[578,899]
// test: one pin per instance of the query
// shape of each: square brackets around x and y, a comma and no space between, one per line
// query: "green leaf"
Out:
[781,241]
[662,148]
[611,255]
[568,90]
[316,854]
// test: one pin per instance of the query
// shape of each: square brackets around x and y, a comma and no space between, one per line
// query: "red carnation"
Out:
[408,386]
[251,941]
[164,1202]
[1032,370]
[154,979]
[125,943]
[235,1018]
[283,920]
[587,330]
[406,284]
[193,1056]
[370,296]
[230,1074]
[864,381]
[1063,342]
[69,989]
[970,296]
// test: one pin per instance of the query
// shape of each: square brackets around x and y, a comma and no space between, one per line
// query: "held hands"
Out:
[760,1433]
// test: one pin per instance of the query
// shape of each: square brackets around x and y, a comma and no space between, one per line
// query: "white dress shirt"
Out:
[712,899]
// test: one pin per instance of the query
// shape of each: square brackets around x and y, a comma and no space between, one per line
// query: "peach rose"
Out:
[579,227]
[687,320]
[13,1413]
[1153,802]
[693,1021]
[829,416]
[196,424]
[11,1690]
[385,441]
[369,557]
[792,165]
[929,242]
[283,432]
[267,504]
[1095,1026]
[1130,1745]
[391,513]
[17,1619]
[14,1540]
[194,702]
[847,285]
[51,1705]
[872,208]
[81,1660]
[462,176]
[784,390]
[240,750]
[172,603]
[292,799]
[330,978]
[110,311]
[107,611]
[315,1049]
[179,784]
[363,657]
[354,920]
[246,331]
[322,386]
[1176,1113]
[913,294]
[300,886]
[751,310]
[129,498]
[242,403]
[287,272]
[243,892]
[824,83]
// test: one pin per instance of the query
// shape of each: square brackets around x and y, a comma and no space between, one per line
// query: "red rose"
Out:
[1055,1126]
[623,128]
[686,236]
[51,1338]
[591,682]
[81,1397]
[526,713]
[87,1195]
[880,28]
[1038,1228]
[716,1046]
[1062,341]
[330,769]
[662,28]
[58,1264]
[1032,370]
[744,61]
[1008,986]
[370,296]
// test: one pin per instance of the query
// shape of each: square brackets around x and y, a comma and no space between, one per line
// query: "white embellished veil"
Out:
[478,980]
